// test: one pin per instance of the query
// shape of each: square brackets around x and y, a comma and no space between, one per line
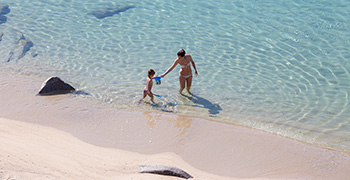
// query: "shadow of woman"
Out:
[201,102]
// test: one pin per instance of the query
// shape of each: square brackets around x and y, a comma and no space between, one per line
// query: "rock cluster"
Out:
[17,45]
[14,46]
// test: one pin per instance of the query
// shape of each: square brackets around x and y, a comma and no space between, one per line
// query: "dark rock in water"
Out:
[110,11]
[54,85]
[4,9]
[3,19]
[1,34]
[164,170]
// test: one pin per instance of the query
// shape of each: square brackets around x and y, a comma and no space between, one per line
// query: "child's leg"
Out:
[151,96]
[144,95]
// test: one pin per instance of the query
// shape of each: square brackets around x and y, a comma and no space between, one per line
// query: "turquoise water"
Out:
[280,66]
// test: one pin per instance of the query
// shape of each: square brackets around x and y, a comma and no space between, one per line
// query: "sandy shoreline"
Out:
[30,151]
[72,130]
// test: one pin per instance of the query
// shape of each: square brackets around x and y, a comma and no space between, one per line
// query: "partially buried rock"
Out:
[164,170]
[54,85]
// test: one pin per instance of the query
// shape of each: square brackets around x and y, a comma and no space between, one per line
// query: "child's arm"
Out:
[155,77]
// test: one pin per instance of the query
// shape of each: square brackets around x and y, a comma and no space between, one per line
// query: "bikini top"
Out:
[186,65]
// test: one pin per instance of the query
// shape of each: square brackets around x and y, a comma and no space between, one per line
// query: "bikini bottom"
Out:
[145,91]
[186,77]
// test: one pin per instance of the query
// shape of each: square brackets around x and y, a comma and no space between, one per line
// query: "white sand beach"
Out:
[70,137]
[30,151]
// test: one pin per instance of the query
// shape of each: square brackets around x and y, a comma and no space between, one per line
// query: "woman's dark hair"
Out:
[181,53]
[151,72]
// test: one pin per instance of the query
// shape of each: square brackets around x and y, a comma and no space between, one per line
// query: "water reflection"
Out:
[181,123]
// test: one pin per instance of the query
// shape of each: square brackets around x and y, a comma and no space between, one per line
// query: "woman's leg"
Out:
[182,81]
[188,84]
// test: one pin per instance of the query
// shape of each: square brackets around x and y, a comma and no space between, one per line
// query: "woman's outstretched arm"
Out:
[170,69]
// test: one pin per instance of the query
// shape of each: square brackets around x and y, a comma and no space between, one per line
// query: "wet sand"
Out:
[93,138]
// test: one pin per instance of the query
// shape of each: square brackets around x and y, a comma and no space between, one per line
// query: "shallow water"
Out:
[279,66]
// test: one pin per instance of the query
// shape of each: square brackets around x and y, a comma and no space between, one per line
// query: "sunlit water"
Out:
[281,66]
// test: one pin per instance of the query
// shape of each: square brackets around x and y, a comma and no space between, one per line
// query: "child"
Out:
[149,84]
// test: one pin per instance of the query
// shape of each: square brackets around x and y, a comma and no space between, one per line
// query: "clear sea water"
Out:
[281,66]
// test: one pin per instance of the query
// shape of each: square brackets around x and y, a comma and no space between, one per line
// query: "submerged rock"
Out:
[3,19]
[21,50]
[26,44]
[23,46]
[54,85]
[164,170]
[110,11]
[14,46]
[4,9]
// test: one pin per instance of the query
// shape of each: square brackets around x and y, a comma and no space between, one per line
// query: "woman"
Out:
[185,75]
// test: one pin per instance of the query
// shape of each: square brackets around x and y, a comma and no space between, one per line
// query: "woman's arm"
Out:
[194,66]
[170,69]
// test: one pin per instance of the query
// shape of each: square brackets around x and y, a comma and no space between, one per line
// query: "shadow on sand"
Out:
[201,102]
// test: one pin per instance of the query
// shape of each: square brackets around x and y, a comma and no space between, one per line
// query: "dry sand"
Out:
[30,151]
[70,137]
